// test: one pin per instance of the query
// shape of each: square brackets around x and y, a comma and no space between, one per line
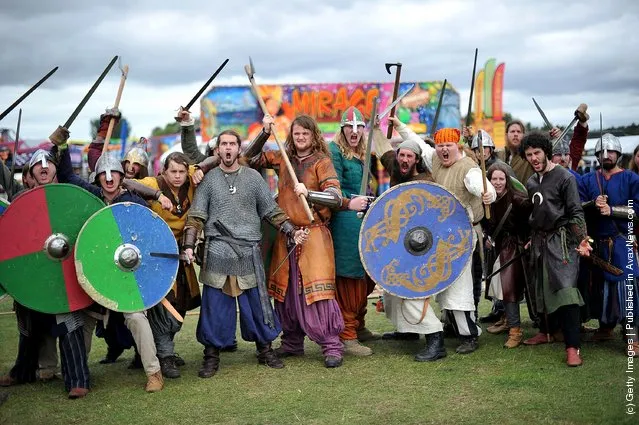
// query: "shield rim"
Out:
[362,228]
[25,193]
[80,270]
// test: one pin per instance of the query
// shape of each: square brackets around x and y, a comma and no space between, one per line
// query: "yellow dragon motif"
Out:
[436,269]
[398,211]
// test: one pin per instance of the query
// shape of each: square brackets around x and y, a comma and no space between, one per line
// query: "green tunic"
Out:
[344,224]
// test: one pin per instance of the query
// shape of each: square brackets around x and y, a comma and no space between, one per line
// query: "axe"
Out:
[107,138]
[250,73]
[398,65]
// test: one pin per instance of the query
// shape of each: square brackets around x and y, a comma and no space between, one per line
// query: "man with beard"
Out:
[558,235]
[174,191]
[512,155]
[108,187]
[35,326]
[462,177]
[229,205]
[615,192]
[303,280]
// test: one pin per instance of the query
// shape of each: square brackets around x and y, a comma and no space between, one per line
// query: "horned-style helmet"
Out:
[610,142]
[486,140]
[107,164]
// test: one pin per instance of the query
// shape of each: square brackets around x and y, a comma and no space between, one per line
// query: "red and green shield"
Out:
[39,231]
[126,257]
[4,204]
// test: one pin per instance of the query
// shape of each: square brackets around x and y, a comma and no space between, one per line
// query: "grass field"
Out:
[527,385]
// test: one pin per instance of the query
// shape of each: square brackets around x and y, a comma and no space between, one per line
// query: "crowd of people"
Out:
[561,241]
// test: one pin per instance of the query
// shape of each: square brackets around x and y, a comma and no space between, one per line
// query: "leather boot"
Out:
[229,349]
[332,361]
[515,337]
[540,338]
[266,356]
[434,348]
[78,393]
[603,334]
[169,368]
[400,336]
[354,348]
[573,357]
[499,327]
[366,334]
[7,381]
[211,362]
[154,383]
[468,345]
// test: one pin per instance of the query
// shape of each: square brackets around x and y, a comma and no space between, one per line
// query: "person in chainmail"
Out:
[229,205]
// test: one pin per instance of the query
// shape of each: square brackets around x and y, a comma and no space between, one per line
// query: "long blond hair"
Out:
[318,145]
[347,150]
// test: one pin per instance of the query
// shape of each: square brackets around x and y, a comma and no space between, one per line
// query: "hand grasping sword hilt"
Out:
[369,200]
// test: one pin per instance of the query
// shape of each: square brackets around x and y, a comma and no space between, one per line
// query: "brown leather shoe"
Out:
[7,381]
[78,393]
[605,334]
[515,337]
[540,338]
[499,327]
[573,357]
[154,383]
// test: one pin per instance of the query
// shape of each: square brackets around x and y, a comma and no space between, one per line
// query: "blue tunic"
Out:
[621,188]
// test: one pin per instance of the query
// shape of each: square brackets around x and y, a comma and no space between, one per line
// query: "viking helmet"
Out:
[42,156]
[107,164]
[352,116]
[562,147]
[137,154]
[486,140]
[610,143]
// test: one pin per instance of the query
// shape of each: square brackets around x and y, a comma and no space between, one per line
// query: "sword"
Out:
[169,255]
[367,159]
[27,93]
[290,251]
[86,98]
[209,81]
[439,107]
[392,105]
[566,130]
[541,112]
[472,88]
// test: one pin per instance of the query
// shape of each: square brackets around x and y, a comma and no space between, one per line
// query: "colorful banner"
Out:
[235,107]
[489,111]
[498,92]
[479,96]
[489,73]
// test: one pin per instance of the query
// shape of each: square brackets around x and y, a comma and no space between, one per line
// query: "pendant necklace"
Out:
[232,187]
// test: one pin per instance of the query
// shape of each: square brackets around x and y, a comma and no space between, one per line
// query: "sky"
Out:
[563,53]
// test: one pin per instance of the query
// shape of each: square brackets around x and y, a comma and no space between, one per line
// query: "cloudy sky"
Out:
[561,52]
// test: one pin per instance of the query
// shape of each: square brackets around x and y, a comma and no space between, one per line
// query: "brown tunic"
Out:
[509,240]
[316,255]
[452,178]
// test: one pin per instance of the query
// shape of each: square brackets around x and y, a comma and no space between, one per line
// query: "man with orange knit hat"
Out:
[460,175]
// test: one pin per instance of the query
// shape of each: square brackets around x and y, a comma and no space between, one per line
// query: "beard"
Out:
[608,165]
[404,177]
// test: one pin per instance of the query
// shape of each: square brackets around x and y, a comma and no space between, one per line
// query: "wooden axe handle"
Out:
[282,149]
[107,138]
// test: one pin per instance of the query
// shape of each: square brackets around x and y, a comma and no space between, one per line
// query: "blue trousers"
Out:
[218,319]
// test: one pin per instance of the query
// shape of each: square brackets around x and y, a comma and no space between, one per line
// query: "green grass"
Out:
[527,385]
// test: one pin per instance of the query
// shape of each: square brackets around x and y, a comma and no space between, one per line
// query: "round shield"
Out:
[126,257]
[4,204]
[415,240]
[38,234]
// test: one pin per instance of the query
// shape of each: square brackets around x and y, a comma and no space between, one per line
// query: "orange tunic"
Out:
[316,255]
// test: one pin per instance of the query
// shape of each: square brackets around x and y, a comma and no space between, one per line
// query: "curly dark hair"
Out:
[537,140]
